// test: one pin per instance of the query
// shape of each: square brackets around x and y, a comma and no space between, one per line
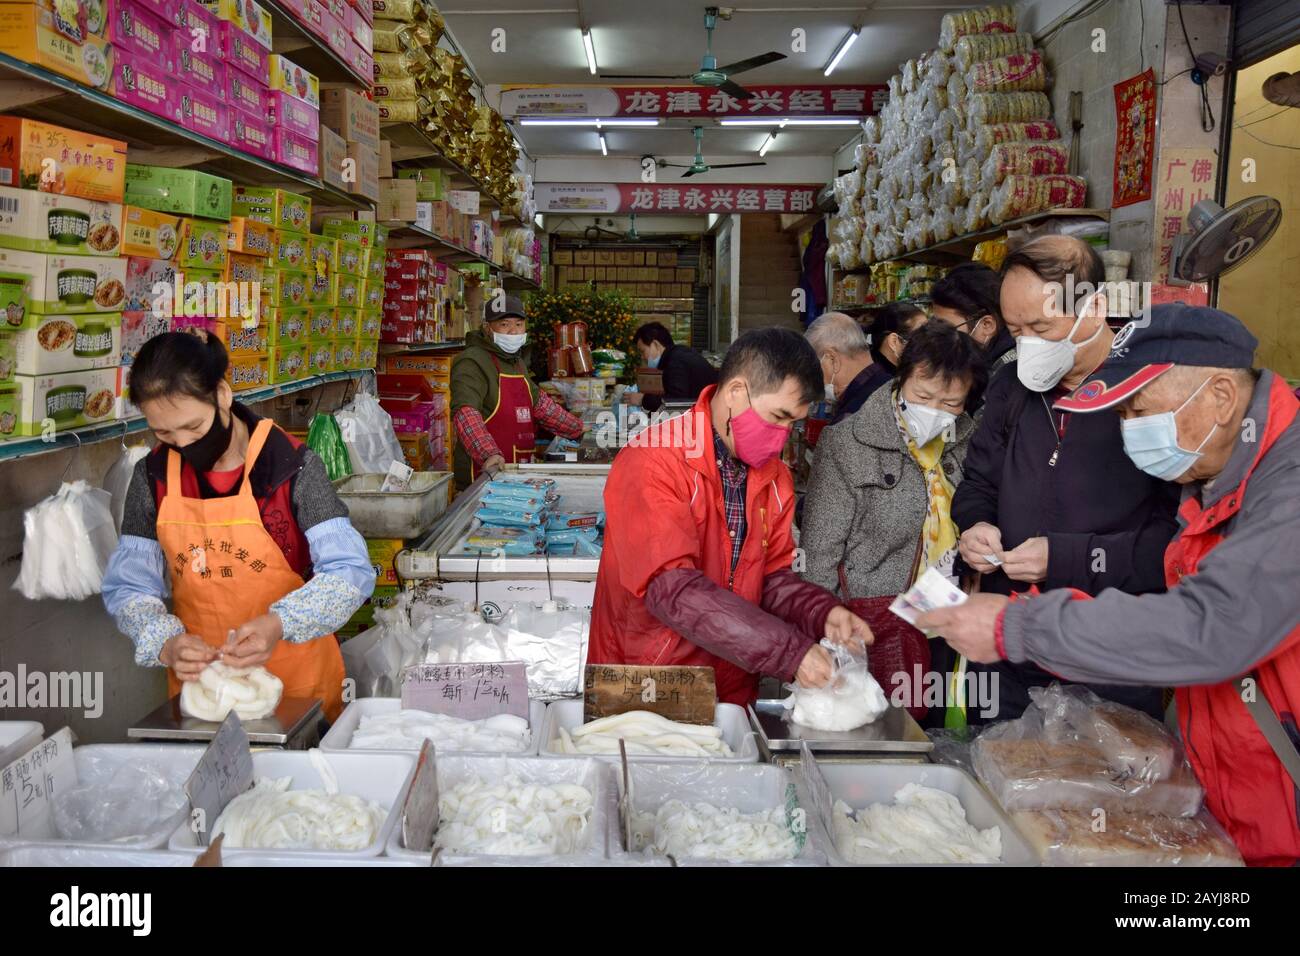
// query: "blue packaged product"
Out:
[583,548]
[516,518]
[567,520]
[572,536]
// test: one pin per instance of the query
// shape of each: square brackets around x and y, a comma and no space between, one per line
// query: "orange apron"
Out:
[511,422]
[226,570]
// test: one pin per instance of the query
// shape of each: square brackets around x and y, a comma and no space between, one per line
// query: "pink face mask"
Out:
[757,441]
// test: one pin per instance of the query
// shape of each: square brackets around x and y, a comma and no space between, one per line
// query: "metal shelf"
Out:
[71,438]
[30,91]
[291,37]
[412,144]
[401,348]
[404,235]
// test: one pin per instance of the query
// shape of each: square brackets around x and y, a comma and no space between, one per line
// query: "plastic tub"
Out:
[749,789]
[394,514]
[382,778]
[588,773]
[731,718]
[861,785]
[72,856]
[98,762]
[339,736]
[17,737]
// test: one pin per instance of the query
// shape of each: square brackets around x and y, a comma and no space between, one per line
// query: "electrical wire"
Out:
[1207,113]
[1267,143]
[1170,79]
[1263,119]
[1044,38]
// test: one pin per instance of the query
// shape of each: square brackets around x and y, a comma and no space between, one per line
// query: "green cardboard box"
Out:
[322,324]
[67,399]
[275,207]
[288,364]
[184,191]
[288,327]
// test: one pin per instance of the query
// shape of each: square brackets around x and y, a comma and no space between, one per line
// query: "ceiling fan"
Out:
[709,73]
[699,165]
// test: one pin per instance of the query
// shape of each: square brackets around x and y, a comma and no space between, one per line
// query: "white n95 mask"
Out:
[924,422]
[1042,363]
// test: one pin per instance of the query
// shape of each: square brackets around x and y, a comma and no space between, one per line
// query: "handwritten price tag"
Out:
[685,694]
[467,691]
[28,786]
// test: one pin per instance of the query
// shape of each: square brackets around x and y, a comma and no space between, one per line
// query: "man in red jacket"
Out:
[1227,632]
[697,564]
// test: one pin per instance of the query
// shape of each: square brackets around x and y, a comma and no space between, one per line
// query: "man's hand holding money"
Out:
[969,627]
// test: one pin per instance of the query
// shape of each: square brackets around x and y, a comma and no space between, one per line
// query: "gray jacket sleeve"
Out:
[314,497]
[1238,610]
[827,511]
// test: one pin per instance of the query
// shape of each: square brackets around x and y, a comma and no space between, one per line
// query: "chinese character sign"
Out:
[1185,176]
[692,101]
[672,198]
[1135,136]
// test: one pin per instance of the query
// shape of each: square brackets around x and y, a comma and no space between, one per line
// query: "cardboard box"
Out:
[347,323]
[150,286]
[138,30]
[367,353]
[249,371]
[352,116]
[345,354]
[321,323]
[397,200]
[287,289]
[372,321]
[287,77]
[147,84]
[355,231]
[205,112]
[563,257]
[149,234]
[385,159]
[48,344]
[244,268]
[248,236]
[651,258]
[70,399]
[31,34]
[36,221]
[638,257]
[295,151]
[257,136]
[584,257]
[351,258]
[623,257]
[322,290]
[364,170]
[244,93]
[605,257]
[241,51]
[35,155]
[288,327]
[290,250]
[320,358]
[181,191]
[202,244]
[65,284]
[248,15]
[287,363]
[276,207]
[383,554]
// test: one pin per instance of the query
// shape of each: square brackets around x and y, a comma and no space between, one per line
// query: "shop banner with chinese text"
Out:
[603,198]
[692,101]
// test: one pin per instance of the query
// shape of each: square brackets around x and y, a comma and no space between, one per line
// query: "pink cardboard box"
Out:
[242,51]
[136,29]
[189,16]
[165,10]
[245,94]
[204,113]
[289,112]
[296,152]
[361,61]
[201,71]
[147,83]
[360,29]
[334,33]
[252,135]
[365,9]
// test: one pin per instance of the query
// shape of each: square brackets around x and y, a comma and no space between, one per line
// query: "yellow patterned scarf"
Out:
[938,531]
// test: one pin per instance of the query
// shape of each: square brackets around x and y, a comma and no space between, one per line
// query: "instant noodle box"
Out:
[198,71]
[349,230]
[148,84]
[62,45]
[47,344]
[322,255]
[287,363]
[287,289]
[67,399]
[149,282]
[371,322]
[345,354]
[36,221]
[249,371]
[243,341]
[10,406]
[289,250]
[367,353]
[349,290]
[320,357]
[372,294]
[202,244]
[54,159]
[287,327]
[322,324]
[242,268]
[181,191]
[149,234]
[322,291]
[347,323]
[64,284]
[137,329]
[288,77]
[250,237]
[275,207]
[8,345]
[248,15]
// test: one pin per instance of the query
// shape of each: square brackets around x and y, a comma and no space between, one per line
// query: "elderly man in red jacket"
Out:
[1227,632]
[697,565]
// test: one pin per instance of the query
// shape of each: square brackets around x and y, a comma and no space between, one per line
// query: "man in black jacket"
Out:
[685,371]
[1049,499]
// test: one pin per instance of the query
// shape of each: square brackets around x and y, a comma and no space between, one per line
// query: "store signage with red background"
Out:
[673,198]
[692,101]
[1135,138]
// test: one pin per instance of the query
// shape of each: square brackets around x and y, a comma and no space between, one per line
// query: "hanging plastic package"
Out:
[67,541]
[848,700]
[326,440]
[551,639]
[367,432]
[118,480]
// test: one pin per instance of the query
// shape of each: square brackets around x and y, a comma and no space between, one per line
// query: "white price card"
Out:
[29,784]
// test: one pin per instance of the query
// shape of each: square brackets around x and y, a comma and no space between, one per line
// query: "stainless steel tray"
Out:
[896,731]
[293,726]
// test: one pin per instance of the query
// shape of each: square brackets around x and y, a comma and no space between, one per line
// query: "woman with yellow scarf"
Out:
[878,510]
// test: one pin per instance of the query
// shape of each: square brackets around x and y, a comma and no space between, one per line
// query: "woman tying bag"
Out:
[231,515]
[877,514]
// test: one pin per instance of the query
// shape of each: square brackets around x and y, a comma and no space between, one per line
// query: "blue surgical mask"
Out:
[1151,442]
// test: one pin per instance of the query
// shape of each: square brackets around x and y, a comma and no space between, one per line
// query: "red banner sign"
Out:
[1135,138]
[808,100]
[672,199]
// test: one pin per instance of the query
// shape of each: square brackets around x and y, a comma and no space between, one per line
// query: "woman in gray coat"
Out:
[878,503]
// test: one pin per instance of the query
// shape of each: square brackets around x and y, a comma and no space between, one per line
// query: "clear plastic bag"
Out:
[367,431]
[1054,758]
[115,802]
[1023,195]
[67,541]
[1009,107]
[995,19]
[118,479]
[1016,71]
[871,130]
[850,699]
[1023,159]
[551,639]
[976,47]
[986,137]
[1079,838]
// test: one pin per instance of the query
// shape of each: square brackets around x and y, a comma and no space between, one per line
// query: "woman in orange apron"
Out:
[496,406]
[239,521]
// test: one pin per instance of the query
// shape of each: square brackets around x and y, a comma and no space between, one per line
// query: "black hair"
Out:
[943,349]
[179,363]
[767,357]
[1054,258]
[973,289]
[894,317]
[654,332]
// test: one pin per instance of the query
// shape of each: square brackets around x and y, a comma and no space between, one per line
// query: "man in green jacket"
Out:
[495,404]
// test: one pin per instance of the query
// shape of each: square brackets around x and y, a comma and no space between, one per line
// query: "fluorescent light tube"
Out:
[767,144]
[591,51]
[842,49]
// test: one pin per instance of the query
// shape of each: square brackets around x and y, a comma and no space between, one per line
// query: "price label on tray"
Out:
[467,691]
[28,786]
[685,694]
[223,772]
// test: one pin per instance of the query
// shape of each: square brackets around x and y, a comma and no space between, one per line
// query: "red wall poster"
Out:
[1135,138]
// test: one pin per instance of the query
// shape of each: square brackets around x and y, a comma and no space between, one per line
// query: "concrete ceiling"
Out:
[543,44]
